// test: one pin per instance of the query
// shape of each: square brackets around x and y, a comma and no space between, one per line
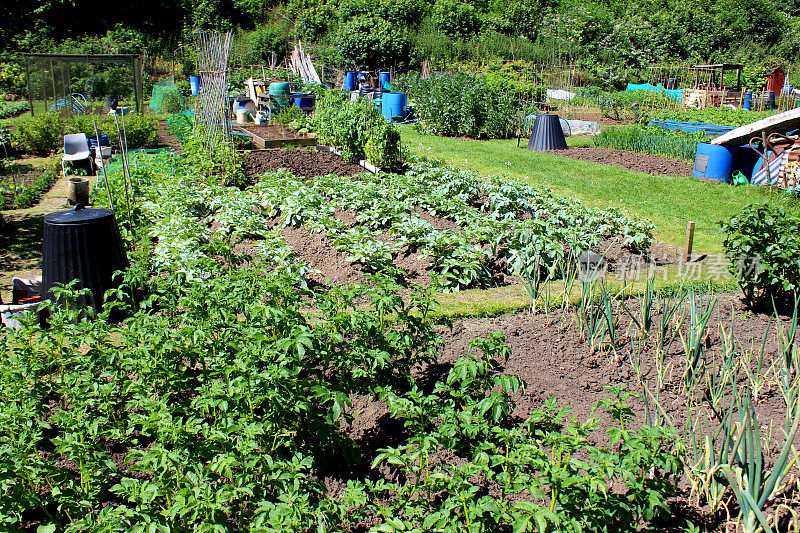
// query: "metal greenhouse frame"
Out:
[55,78]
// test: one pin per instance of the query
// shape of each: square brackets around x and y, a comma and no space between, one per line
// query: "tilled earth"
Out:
[306,163]
[647,163]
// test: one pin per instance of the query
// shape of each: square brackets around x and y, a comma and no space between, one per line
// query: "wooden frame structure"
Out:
[708,91]
[134,60]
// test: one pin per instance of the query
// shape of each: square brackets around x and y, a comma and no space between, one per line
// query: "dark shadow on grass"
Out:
[21,242]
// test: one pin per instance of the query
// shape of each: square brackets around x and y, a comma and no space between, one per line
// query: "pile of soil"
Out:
[647,163]
[305,163]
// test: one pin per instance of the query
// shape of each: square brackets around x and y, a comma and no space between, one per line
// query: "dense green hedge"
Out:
[41,134]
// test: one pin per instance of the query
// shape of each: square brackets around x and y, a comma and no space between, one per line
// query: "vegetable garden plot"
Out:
[502,228]
[230,398]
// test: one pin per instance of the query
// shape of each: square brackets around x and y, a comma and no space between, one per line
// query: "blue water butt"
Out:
[383,80]
[393,106]
[194,83]
[747,102]
[713,162]
[349,83]
[303,103]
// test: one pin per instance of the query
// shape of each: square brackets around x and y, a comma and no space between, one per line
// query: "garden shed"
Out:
[52,78]
[775,78]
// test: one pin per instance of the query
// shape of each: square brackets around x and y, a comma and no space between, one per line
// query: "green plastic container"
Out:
[280,88]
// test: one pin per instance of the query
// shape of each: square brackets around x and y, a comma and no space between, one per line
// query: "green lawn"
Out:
[668,202]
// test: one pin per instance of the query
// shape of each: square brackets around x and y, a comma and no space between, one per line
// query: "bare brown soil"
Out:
[638,162]
[549,354]
[597,117]
[273,132]
[164,137]
[306,163]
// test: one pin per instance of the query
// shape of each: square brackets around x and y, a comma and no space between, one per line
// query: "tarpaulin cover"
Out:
[675,94]
[691,127]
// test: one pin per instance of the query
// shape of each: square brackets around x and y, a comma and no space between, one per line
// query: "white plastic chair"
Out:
[76,148]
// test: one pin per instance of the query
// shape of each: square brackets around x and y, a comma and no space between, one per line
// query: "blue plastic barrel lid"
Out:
[79,215]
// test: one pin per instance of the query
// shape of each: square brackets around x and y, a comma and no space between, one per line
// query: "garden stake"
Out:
[105,178]
[124,149]
[127,162]
[124,176]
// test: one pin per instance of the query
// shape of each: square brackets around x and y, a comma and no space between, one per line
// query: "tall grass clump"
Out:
[649,140]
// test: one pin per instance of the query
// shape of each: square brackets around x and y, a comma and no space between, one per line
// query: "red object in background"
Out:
[775,78]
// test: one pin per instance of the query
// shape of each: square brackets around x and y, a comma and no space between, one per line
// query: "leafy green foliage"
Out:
[762,245]
[17,195]
[356,128]
[462,105]
[11,108]
[372,42]
[712,115]
[40,134]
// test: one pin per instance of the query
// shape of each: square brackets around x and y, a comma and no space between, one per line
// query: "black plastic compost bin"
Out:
[547,134]
[83,244]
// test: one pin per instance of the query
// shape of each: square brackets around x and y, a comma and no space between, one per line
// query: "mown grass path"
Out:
[669,202]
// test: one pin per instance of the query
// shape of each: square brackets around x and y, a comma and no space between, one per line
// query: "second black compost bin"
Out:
[83,244]
[547,134]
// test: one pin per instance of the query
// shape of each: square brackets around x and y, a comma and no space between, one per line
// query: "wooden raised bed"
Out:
[275,136]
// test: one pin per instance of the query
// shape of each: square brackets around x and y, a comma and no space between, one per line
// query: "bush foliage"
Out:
[462,105]
[356,128]
[43,133]
[763,245]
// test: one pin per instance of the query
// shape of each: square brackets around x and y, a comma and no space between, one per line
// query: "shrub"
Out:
[356,128]
[373,43]
[38,134]
[383,146]
[455,18]
[43,133]
[762,245]
[12,77]
[462,105]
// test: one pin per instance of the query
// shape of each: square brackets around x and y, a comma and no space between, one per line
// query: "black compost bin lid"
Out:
[78,215]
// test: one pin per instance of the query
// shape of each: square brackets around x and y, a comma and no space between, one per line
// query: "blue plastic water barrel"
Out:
[393,106]
[194,83]
[744,161]
[303,103]
[383,80]
[747,103]
[713,162]
[349,81]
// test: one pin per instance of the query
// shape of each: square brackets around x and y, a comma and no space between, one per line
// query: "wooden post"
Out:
[137,83]
[28,81]
[689,241]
